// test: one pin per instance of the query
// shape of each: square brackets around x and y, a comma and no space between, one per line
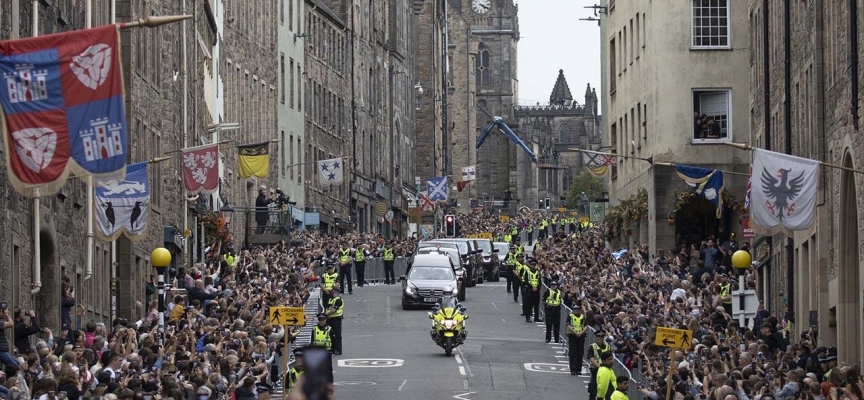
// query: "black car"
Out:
[453,253]
[503,248]
[468,253]
[430,275]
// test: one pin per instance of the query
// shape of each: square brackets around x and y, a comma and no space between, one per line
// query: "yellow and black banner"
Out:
[253,159]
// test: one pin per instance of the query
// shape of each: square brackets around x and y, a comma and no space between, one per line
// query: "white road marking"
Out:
[459,396]
[458,359]
[560,356]
[462,370]
[402,385]
[465,360]
[496,307]
[564,361]
[502,320]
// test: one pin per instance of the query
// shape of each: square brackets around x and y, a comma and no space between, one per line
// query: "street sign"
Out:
[486,235]
[287,316]
[562,209]
[389,215]
[674,338]
[504,218]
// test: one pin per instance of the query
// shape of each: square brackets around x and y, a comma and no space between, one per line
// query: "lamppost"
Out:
[227,212]
[161,258]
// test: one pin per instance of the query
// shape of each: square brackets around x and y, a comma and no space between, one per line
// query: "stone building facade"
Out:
[375,47]
[250,71]
[461,99]
[816,274]
[150,58]
[292,140]
[431,75]
[654,80]
[556,127]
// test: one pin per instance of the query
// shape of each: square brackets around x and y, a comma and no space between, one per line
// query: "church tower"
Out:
[495,33]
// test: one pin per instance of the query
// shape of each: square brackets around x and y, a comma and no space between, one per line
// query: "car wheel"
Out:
[461,295]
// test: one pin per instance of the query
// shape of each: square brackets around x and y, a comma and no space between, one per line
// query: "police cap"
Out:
[298,352]
[553,283]
[322,316]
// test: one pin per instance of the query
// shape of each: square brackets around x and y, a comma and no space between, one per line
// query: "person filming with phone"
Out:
[23,330]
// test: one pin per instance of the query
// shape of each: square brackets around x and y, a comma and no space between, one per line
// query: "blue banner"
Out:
[708,183]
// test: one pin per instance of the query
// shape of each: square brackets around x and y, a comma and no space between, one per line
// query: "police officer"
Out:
[520,248]
[607,382]
[531,295]
[345,267]
[510,261]
[322,335]
[388,258]
[576,339]
[360,254]
[598,348]
[328,280]
[296,371]
[516,277]
[552,302]
[529,231]
[335,309]
[726,294]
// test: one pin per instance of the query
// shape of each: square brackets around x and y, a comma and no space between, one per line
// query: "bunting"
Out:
[62,109]
[122,207]
[708,183]
[253,160]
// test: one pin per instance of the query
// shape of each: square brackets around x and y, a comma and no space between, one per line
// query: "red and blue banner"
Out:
[61,109]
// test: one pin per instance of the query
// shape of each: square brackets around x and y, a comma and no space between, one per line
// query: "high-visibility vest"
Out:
[321,337]
[511,258]
[529,229]
[514,231]
[293,375]
[388,254]
[554,298]
[343,256]
[228,259]
[554,221]
[338,312]
[724,291]
[519,268]
[359,255]
[533,278]
[598,351]
[330,280]
[543,224]
[520,249]
[507,238]
[576,323]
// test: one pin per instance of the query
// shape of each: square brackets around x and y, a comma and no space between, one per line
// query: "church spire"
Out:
[561,92]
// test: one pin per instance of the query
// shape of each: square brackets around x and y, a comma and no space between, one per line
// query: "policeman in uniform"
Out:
[510,261]
[828,362]
[529,230]
[543,229]
[531,297]
[388,257]
[328,280]
[552,301]
[322,335]
[516,276]
[345,267]
[597,348]
[606,382]
[576,339]
[520,248]
[296,371]
[360,265]
[335,309]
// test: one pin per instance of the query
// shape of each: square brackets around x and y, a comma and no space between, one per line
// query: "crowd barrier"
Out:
[374,271]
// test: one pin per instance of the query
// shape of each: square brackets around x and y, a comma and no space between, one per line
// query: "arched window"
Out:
[482,73]
[564,135]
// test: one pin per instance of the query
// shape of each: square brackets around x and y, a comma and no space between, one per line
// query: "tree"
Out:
[584,182]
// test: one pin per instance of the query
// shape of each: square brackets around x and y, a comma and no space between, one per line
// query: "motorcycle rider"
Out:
[446,301]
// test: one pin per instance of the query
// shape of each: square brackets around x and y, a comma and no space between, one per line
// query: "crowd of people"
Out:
[706,127]
[220,343]
[626,297]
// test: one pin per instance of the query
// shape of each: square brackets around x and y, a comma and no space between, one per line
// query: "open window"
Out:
[711,115]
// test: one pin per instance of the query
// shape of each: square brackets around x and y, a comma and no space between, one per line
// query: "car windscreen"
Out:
[486,246]
[503,248]
[452,253]
[431,273]
[448,302]
[462,246]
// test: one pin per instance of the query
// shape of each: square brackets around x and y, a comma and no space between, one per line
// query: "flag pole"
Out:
[649,160]
[745,146]
[669,164]
[153,21]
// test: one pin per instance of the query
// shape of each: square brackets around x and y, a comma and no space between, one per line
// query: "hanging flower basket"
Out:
[628,212]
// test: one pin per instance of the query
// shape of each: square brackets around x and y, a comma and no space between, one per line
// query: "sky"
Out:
[554,38]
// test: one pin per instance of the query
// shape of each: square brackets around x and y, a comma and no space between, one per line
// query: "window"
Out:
[644,29]
[710,24]
[290,84]
[612,68]
[282,78]
[624,49]
[711,115]
[645,122]
[632,35]
[282,12]
[613,142]
[483,74]
[638,33]
[299,89]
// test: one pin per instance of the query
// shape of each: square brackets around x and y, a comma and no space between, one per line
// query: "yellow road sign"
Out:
[486,235]
[584,219]
[287,316]
[562,209]
[675,338]
[504,218]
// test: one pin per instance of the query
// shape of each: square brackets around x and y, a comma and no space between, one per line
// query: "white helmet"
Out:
[448,291]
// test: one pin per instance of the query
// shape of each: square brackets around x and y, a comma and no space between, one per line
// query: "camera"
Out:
[282,199]
[4,306]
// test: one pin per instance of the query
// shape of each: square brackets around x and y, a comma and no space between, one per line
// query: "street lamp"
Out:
[227,212]
[161,258]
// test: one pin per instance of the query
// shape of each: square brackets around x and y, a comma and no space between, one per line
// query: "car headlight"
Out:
[409,289]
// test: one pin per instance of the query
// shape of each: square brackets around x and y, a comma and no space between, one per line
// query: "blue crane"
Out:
[498,122]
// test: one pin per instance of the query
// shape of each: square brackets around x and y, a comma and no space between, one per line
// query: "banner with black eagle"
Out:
[708,183]
[122,206]
[784,190]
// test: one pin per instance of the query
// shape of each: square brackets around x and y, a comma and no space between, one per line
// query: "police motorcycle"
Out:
[448,322]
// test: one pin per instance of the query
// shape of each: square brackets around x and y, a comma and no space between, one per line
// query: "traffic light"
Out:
[548,202]
[450,225]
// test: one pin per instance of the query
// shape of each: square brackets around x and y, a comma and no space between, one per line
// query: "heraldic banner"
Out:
[123,206]
[331,172]
[201,169]
[784,190]
[62,109]
[705,182]
[253,159]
